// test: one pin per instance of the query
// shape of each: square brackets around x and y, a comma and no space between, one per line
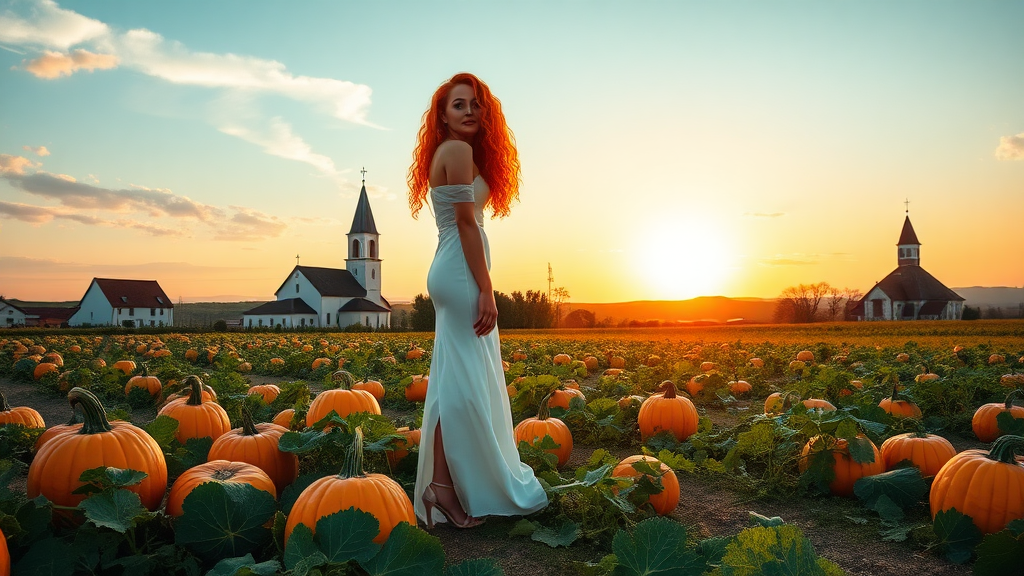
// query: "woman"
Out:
[466,157]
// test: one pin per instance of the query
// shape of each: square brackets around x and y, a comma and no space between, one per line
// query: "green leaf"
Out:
[409,551]
[568,533]
[104,477]
[713,549]
[999,554]
[957,534]
[476,567]
[162,430]
[766,521]
[776,550]
[301,442]
[114,509]
[887,509]
[903,487]
[224,520]
[861,450]
[594,476]
[523,528]
[232,566]
[656,545]
[49,557]
[348,535]
[1009,425]
[292,491]
[895,531]
[302,550]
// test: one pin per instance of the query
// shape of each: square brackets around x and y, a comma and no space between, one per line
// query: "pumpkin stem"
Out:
[354,460]
[145,370]
[669,387]
[248,427]
[1011,397]
[344,378]
[4,406]
[195,397]
[545,411]
[95,421]
[1005,448]
[895,388]
[223,474]
[789,399]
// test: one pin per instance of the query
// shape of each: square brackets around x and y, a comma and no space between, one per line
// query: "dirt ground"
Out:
[707,506]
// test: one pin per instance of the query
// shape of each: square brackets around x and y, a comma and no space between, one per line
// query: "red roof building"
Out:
[114,302]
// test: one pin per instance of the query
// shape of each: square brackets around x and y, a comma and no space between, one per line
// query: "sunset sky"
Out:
[669,149]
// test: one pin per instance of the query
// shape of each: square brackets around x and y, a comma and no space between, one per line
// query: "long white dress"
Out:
[467,384]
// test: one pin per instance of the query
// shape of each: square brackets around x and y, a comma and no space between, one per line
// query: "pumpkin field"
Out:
[826,449]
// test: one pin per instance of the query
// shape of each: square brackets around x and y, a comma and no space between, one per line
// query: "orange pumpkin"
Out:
[197,418]
[986,486]
[996,359]
[27,417]
[805,356]
[51,432]
[126,366]
[98,364]
[561,359]
[561,396]
[847,470]
[416,391]
[409,438]
[221,471]
[372,493]
[519,355]
[269,392]
[414,354]
[256,444]
[757,363]
[56,469]
[899,408]
[652,360]
[984,421]
[664,502]
[148,383]
[740,387]
[590,362]
[1012,380]
[42,369]
[533,430]
[707,366]
[612,372]
[819,404]
[778,402]
[617,362]
[5,556]
[54,358]
[903,357]
[322,362]
[667,411]
[373,387]
[927,452]
[343,400]
[284,418]
[277,361]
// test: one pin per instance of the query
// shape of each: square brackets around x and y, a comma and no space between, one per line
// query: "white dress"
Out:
[467,384]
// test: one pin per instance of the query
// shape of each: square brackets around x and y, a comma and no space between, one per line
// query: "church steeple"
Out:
[363,260]
[362,222]
[908,247]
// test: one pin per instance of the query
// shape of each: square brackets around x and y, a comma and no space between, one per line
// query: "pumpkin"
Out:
[75,348]
[519,355]
[927,452]
[416,391]
[220,471]
[5,556]
[277,361]
[757,363]
[409,438]
[777,402]
[590,362]
[664,502]
[375,494]
[98,364]
[996,359]
[797,365]
[667,411]
[27,417]
[984,421]
[321,362]
[414,354]
[148,383]
[36,349]
[256,444]
[819,404]
[899,408]
[284,418]
[56,469]
[373,387]
[617,362]
[903,357]
[196,418]
[986,486]
[739,387]
[343,400]
[269,392]
[695,385]
[74,424]
[42,369]
[629,401]
[847,470]
[1012,380]
[245,367]
[562,396]
[54,358]
[126,366]
[707,366]
[561,359]
[926,377]
[209,394]
[805,356]
[533,430]
[652,360]
[612,372]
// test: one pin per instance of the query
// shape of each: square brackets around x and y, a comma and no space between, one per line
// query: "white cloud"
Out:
[1011,147]
[14,165]
[55,64]
[279,140]
[50,26]
[38,150]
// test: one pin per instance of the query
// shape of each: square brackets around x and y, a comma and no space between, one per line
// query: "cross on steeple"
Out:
[907,204]
[296,259]
[363,171]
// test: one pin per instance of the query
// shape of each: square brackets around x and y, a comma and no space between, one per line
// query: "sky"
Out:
[669,149]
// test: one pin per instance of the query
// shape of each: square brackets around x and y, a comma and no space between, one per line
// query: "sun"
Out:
[684,259]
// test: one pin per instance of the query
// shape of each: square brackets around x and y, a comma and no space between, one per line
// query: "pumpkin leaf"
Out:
[523,528]
[775,550]
[244,566]
[861,450]
[656,545]
[105,477]
[895,531]
[291,492]
[301,442]
[1009,425]
[409,551]
[565,535]
[594,476]
[301,554]
[347,535]
[900,488]
[820,472]
[957,534]
[114,509]
[162,430]
[1000,553]
[224,520]
[476,567]
[49,557]
[711,550]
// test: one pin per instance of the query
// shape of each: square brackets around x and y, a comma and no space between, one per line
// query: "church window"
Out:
[328,318]
[303,321]
[296,288]
[355,249]
[373,249]
[876,308]
[131,311]
[373,274]
[261,321]
[296,275]
[250,322]
[367,320]
[271,321]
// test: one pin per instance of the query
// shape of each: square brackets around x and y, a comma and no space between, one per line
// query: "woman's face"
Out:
[462,113]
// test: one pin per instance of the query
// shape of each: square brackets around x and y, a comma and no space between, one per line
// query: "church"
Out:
[909,292]
[311,296]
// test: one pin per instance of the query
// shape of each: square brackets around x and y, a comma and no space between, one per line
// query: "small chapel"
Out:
[312,296]
[909,292]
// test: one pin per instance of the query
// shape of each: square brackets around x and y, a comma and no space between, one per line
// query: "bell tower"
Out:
[908,247]
[363,260]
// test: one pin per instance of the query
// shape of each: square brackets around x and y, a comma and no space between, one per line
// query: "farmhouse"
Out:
[333,297]
[909,292]
[111,302]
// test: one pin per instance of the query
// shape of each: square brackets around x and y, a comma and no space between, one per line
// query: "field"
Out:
[758,492]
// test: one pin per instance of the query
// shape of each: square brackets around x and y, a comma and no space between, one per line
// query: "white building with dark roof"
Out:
[113,302]
[909,292]
[312,296]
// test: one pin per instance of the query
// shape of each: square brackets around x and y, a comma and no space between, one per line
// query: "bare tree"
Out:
[801,303]
[838,299]
[559,296]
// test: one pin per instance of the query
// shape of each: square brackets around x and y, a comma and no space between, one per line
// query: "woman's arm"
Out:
[458,165]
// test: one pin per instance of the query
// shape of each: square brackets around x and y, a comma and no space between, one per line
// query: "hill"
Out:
[717,308]
[992,297]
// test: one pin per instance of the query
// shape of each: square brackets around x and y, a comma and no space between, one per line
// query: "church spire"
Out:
[908,247]
[362,222]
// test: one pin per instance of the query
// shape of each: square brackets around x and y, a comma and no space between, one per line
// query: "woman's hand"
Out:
[488,315]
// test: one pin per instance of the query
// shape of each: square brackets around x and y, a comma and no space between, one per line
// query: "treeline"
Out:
[515,310]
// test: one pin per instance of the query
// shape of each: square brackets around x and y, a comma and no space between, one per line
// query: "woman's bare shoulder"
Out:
[454,159]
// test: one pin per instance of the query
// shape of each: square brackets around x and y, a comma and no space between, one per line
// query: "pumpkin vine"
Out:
[95,419]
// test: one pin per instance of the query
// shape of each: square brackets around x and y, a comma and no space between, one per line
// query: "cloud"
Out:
[279,140]
[14,165]
[55,64]
[1011,147]
[249,224]
[764,214]
[44,214]
[38,151]
[51,26]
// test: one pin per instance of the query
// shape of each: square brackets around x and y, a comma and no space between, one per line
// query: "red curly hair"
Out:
[494,148]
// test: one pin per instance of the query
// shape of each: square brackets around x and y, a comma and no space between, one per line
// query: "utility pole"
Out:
[551,278]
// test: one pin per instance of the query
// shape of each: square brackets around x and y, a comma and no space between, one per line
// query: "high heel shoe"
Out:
[430,502]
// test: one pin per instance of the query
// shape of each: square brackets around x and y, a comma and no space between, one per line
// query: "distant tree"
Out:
[422,317]
[220,326]
[559,296]
[836,304]
[971,313]
[128,323]
[993,313]
[801,303]
[579,318]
